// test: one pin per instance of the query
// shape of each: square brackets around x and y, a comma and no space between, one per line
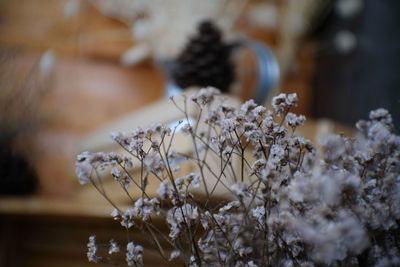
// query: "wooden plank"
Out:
[38,26]
[60,241]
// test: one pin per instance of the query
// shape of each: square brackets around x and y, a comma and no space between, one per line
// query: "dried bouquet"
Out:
[284,205]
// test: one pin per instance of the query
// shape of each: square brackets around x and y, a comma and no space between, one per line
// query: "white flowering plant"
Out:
[285,205]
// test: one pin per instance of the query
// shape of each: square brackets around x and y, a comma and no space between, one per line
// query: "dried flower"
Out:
[164,191]
[92,250]
[295,121]
[134,254]
[186,129]
[205,96]
[174,254]
[283,207]
[153,163]
[114,248]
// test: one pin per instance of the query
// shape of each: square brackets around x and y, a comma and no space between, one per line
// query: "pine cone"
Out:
[205,61]
[16,175]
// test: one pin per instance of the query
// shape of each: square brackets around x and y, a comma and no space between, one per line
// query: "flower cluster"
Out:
[134,255]
[92,249]
[283,204]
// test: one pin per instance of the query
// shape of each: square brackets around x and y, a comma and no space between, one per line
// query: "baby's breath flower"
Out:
[118,137]
[83,170]
[160,129]
[280,103]
[164,191]
[251,264]
[252,112]
[125,180]
[292,99]
[228,207]
[259,214]
[240,189]
[139,134]
[155,145]
[334,146]
[268,124]
[294,121]
[116,214]
[127,218]
[206,96]
[177,216]
[258,166]
[204,220]
[249,126]
[212,117]
[381,115]
[114,248]
[259,113]
[127,161]
[179,182]
[134,254]
[193,179]
[153,163]
[229,111]
[135,145]
[92,250]
[277,153]
[248,106]
[253,136]
[115,172]
[187,129]
[144,208]
[227,151]
[174,254]
[228,125]
[286,205]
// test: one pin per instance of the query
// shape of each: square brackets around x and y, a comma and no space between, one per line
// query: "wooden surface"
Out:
[39,25]
[48,241]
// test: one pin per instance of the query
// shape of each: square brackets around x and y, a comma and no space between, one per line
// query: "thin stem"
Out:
[133,180]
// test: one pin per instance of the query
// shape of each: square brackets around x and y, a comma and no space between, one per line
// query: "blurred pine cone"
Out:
[17,176]
[205,61]
[21,91]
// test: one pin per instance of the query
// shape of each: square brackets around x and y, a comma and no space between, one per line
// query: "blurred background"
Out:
[69,67]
